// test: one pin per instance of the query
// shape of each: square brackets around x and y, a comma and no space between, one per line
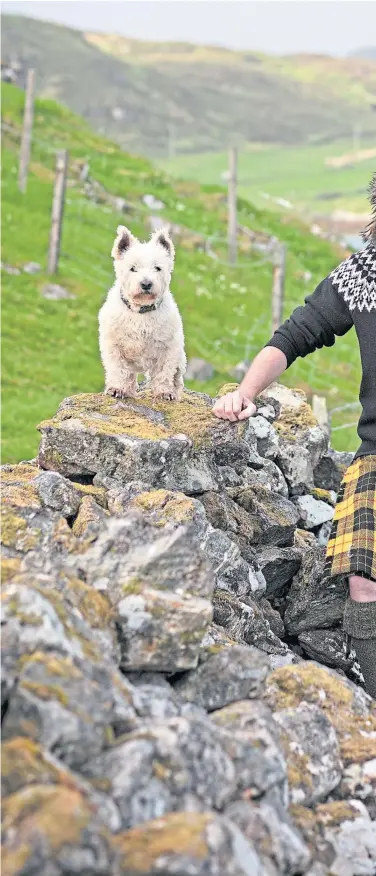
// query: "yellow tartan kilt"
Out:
[351,548]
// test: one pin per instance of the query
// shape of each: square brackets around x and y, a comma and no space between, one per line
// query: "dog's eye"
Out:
[133,269]
[157,268]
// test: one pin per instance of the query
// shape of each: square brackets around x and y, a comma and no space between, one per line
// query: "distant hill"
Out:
[161,98]
[367,52]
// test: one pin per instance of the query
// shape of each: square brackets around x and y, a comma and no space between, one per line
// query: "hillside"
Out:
[157,98]
[320,179]
[50,347]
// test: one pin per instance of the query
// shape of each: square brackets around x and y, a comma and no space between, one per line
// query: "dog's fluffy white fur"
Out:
[140,327]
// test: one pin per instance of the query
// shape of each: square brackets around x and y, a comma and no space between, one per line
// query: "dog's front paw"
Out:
[119,393]
[166,396]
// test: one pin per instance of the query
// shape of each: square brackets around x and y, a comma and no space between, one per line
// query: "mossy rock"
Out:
[293,423]
[53,589]
[289,686]
[165,506]
[17,488]
[323,496]
[177,834]
[99,494]
[89,513]
[93,605]
[25,762]
[313,822]
[16,533]
[51,818]
[18,474]
[143,417]
[10,567]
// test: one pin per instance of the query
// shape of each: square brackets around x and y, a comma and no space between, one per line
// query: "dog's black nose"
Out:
[146,285]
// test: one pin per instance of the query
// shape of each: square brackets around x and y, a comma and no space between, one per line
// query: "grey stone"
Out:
[58,493]
[359,780]
[55,829]
[148,449]
[281,849]
[31,268]
[160,625]
[54,292]
[296,467]
[226,515]
[224,677]
[65,707]
[272,518]
[313,512]
[232,571]
[10,269]
[152,202]
[245,622]
[277,661]
[312,752]
[249,736]
[355,842]
[168,766]
[324,533]
[278,566]
[273,617]
[269,476]
[30,623]
[328,647]
[239,371]
[329,471]
[189,844]
[266,436]
[314,602]
[198,369]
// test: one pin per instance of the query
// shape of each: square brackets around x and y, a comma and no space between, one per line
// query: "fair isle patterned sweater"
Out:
[346,298]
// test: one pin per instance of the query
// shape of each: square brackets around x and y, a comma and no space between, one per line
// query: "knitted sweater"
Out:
[346,298]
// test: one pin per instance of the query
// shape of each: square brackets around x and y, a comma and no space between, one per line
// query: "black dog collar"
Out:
[145,308]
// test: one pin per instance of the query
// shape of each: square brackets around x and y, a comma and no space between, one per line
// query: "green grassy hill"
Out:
[50,348]
[298,174]
[155,97]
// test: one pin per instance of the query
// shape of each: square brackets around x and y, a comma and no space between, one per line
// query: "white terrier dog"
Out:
[140,327]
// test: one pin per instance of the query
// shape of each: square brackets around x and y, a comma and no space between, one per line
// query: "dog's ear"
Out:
[163,238]
[123,241]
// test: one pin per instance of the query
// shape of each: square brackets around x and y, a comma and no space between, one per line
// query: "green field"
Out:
[298,175]
[50,348]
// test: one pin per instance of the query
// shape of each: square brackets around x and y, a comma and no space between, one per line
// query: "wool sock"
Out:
[360,623]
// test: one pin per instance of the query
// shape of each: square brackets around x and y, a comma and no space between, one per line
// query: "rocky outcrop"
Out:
[176,693]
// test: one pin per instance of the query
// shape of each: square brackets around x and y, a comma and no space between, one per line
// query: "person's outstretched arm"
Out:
[269,364]
[316,324]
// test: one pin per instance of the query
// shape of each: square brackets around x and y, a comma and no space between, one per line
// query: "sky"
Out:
[334,27]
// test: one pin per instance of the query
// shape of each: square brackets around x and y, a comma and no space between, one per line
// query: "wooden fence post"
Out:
[232,206]
[26,131]
[320,411]
[278,287]
[57,211]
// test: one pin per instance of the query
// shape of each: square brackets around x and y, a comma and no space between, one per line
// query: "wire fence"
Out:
[84,202]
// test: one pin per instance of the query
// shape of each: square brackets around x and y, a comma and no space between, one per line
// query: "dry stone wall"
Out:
[177,695]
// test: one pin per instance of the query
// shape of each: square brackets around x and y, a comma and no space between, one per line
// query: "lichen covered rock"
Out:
[193,844]
[312,753]
[226,676]
[158,584]
[53,829]
[163,586]
[172,765]
[163,445]
[350,711]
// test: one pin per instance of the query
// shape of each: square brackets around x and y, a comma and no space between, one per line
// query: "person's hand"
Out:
[234,406]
